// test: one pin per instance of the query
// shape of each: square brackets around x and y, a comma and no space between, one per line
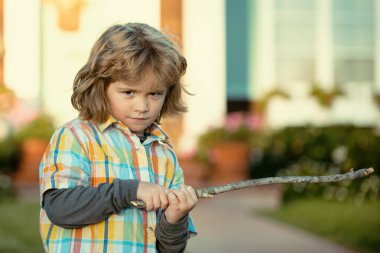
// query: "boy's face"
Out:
[138,104]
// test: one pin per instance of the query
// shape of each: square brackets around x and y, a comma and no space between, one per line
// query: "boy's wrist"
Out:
[177,227]
[174,219]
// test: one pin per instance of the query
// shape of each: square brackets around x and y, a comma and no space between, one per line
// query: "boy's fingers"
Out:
[149,204]
[164,200]
[156,202]
[193,195]
[181,195]
[172,198]
[188,190]
[187,194]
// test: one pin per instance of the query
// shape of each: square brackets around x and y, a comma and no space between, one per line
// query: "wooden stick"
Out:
[211,191]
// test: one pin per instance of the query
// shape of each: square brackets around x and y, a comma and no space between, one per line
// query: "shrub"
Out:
[9,154]
[357,190]
[306,151]
[342,145]
[40,128]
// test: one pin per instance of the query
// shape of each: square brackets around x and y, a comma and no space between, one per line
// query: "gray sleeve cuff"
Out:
[172,237]
[179,228]
[125,191]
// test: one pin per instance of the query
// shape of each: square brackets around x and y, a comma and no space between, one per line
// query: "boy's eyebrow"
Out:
[158,90]
[131,88]
[126,88]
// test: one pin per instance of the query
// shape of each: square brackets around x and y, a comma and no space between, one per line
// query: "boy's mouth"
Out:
[139,119]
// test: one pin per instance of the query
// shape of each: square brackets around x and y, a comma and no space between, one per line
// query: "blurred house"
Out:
[279,58]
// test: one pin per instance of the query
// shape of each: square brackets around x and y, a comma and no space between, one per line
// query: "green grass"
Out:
[19,227]
[346,223]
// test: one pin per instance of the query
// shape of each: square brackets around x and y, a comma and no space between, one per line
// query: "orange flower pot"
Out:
[31,154]
[230,162]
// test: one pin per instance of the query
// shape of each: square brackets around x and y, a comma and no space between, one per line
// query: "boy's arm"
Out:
[81,206]
[172,237]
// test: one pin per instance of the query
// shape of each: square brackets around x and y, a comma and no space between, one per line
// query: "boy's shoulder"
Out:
[80,127]
[76,123]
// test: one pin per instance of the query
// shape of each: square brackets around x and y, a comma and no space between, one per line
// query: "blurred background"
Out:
[281,87]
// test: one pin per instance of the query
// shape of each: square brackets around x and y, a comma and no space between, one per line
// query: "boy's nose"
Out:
[141,105]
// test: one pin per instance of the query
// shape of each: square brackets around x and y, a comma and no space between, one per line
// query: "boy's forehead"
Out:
[146,78]
[146,83]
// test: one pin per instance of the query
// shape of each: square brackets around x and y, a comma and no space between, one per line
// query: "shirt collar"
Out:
[110,121]
[155,132]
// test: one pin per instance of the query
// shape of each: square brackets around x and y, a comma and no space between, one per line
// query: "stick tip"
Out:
[205,195]
[138,204]
[370,170]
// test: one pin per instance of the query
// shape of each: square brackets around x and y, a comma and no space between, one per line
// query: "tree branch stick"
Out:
[211,191]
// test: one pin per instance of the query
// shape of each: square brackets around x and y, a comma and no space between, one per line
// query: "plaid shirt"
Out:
[82,153]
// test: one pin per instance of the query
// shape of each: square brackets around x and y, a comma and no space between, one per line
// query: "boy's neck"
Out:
[142,137]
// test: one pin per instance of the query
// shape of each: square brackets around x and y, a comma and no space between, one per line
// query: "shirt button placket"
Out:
[151,226]
[142,158]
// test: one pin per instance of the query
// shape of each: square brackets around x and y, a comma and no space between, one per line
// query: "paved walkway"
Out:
[228,224]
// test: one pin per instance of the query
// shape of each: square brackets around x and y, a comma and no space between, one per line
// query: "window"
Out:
[295,40]
[353,31]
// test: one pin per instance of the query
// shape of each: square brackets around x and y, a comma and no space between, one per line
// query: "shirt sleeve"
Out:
[81,206]
[178,180]
[171,237]
[64,164]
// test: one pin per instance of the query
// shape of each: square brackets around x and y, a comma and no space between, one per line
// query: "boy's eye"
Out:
[128,92]
[156,94]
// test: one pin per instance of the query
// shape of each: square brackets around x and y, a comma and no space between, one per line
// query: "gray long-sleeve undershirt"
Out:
[81,206]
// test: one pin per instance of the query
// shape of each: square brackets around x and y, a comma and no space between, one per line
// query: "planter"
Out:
[27,172]
[230,162]
[195,172]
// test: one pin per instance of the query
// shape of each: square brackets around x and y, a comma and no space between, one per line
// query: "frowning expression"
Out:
[136,104]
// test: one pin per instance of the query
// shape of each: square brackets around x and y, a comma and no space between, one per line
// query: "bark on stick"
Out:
[211,191]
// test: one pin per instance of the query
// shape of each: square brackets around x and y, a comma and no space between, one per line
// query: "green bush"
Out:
[356,191]
[342,145]
[9,160]
[10,150]
[9,154]
[40,128]
[306,151]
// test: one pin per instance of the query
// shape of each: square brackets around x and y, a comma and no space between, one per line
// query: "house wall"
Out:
[204,48]
[21,44]
[41,61]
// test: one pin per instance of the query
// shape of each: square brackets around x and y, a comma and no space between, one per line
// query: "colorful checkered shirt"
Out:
[83,153]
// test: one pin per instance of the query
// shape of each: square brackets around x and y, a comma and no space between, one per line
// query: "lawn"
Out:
[19,227]
[345,223]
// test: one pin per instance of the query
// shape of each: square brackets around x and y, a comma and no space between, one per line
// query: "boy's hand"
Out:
[154,195]
[180,203]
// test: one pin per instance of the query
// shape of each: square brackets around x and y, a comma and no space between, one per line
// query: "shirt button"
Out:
[150,229]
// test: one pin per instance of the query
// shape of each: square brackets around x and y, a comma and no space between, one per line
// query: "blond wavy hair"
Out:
[123,53]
